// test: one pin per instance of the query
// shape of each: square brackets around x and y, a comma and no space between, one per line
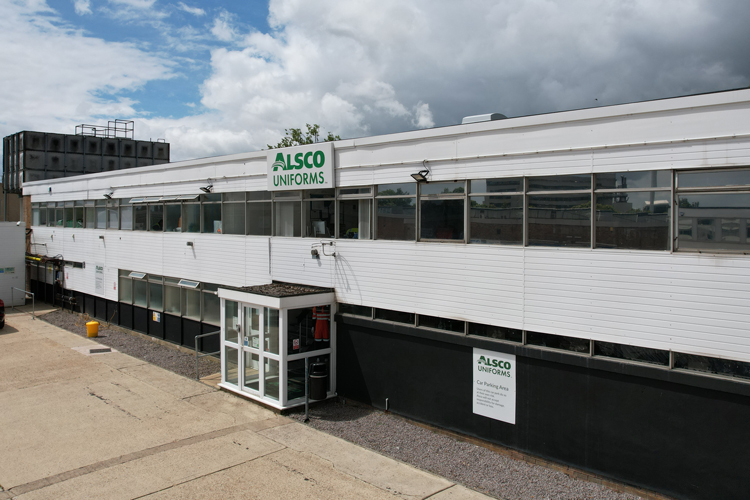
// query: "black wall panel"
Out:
[80,299]
[680,440]
[190,329]
[156,328]
[89,305]
[172,328]
[126,316]
[212,342]
[140,319]
[100,311]
[113,312]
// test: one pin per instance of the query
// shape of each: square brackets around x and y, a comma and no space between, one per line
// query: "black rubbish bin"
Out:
[318,381]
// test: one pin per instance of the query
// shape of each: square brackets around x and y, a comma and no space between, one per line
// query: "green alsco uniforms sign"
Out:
[494,392]
[301,167]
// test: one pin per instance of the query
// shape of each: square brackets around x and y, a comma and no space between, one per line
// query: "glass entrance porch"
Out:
[267,333]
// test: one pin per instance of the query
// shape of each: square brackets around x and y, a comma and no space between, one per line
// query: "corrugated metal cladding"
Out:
[691,303]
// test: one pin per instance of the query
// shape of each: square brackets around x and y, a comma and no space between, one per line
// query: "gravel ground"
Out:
[473,466]
[167,357]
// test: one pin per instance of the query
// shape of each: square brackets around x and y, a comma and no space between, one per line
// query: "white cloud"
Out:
[223,28]
[82,7]
[423,116]
[196,11]
[61,77]
[370,67]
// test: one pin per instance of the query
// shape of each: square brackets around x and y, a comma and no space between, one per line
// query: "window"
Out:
[211,204]
[155,217]
[259,213]
[101,214]
[140,217]
[441,209]
[233,213]
[90,213]
[78,215]
[191,304]
[558,342]
[113,214]
[191,217]
[211,306]
[397,211]
[51,214]
[125,286]
[320,213]
[629,214]
[355,310]
[172,300]
[712,365]
[713,210]
[302,325]
[355,213]
[496,211]
[155,293]
[69,214]
[496,332]
[632,353]
[287,214]
[397,316]
[451,325]
[126,215]
[140,293]
[173,217]
[59,214]
[558,215]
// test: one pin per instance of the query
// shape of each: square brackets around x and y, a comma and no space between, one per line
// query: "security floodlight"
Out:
[109,194]
[421,176]
[207,189]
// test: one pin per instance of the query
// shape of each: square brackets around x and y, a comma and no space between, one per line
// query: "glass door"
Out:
[260,351]
[230,341]
[251,349]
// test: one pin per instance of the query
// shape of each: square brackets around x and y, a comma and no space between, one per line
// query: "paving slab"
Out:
[78,426]
[174,384]
[366,465]
[160,471]
[284,474]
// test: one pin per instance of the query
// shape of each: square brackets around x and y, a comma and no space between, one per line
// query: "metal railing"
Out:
[198,356]
[26,296]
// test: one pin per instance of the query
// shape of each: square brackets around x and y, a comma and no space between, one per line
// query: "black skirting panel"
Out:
[211,343]
[681,440]
[190,329]
[80,298]
[126,316]
[156,324]
[89,305]
[140,319]
[112,312]
[100,311]
[172,328]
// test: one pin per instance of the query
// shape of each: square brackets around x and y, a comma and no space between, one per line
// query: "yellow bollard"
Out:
[92,328]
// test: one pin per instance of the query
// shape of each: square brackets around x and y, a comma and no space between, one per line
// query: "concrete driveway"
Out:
[80,425]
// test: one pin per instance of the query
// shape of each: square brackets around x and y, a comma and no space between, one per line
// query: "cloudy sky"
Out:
[229,76]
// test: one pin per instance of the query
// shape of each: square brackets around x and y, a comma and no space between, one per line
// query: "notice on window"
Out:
[495,385]
[99,279]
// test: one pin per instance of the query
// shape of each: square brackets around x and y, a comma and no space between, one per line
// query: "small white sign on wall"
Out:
[99,279]
[494,384]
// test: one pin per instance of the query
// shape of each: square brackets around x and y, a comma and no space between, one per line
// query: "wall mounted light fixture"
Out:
[109,194]
[421,176]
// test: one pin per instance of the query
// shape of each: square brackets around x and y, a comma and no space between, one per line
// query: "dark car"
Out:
[2,313]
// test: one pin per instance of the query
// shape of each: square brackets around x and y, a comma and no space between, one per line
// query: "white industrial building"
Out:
[599,255]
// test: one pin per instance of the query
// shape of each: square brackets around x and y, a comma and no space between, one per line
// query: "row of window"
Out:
[175,296]
[659,357]
[629,210]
